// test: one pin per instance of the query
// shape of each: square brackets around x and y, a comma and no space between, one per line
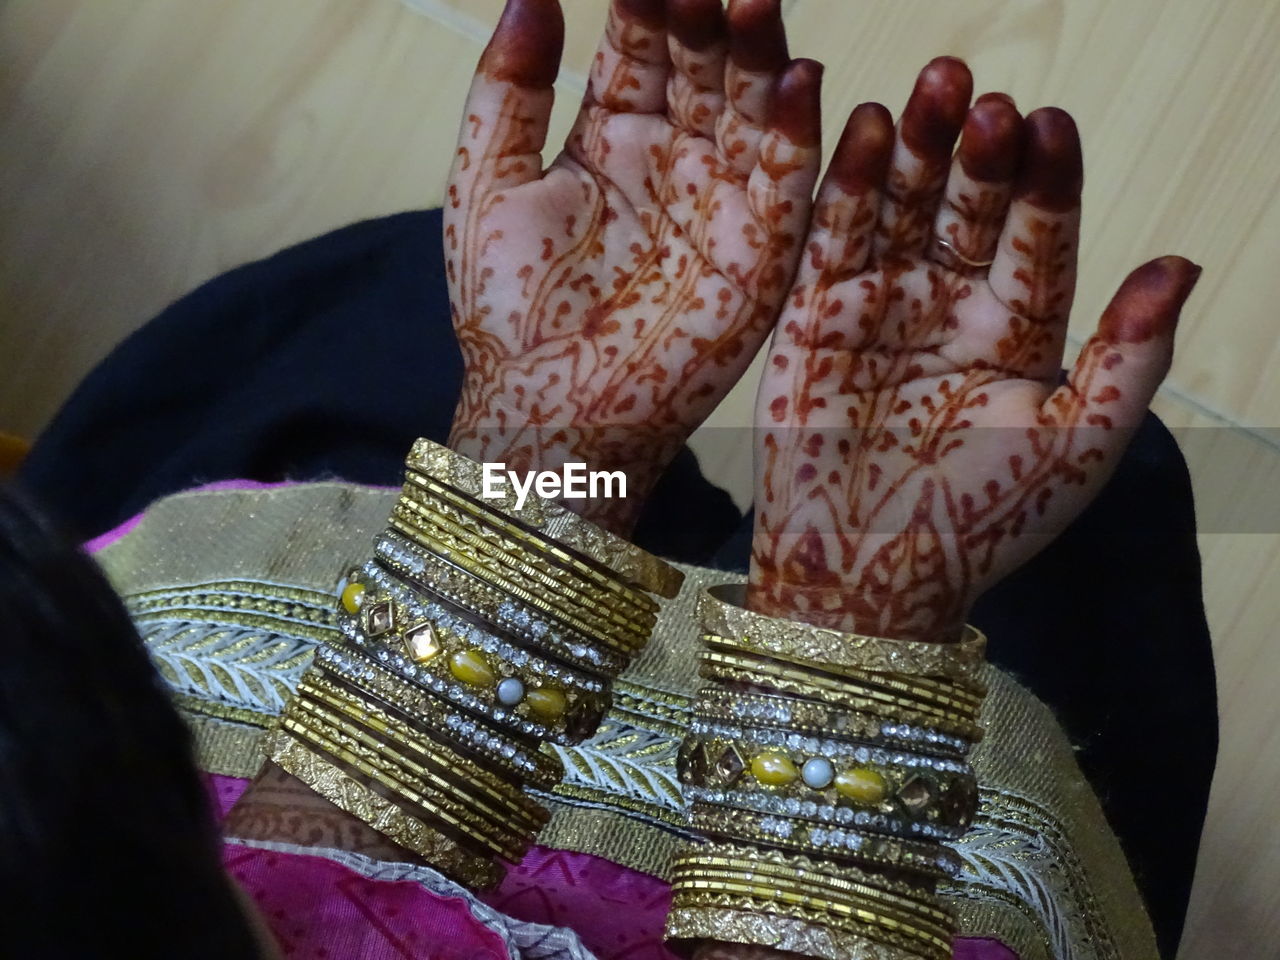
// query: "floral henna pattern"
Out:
[913,449]
[604,306]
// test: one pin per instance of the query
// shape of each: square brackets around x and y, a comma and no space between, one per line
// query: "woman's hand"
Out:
[914,445]
[606,303]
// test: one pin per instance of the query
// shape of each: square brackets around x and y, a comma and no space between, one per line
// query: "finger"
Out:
[699,46]
[1034,272]
[504,125]
[926,133]
[629,72]
[1111,385]
[757,56]
[979,185]
[844,216]
[780,187]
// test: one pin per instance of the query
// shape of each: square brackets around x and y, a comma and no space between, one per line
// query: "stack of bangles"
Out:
[826,772]
[479,630]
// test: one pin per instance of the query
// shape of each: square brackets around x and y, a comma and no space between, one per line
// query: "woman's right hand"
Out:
[607,302]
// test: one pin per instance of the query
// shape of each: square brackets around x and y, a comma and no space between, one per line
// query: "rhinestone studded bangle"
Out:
[849,844]
[762,671]
[808,718]
[495,607]
[538,769]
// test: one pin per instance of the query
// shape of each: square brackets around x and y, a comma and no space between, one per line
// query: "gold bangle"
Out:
[870,788]
[513,532]
[927,858]
[504,682]
[721,612]
[763,671]
[850,919]
[551,521]
[526,763]
[925,694]
[452,584]
[919,908]
[440,805]
[787,934]
[408,831]
[921,892]
[485,570]
[500,801]
[532,572]
[517,555]
[810,718]
[820,890]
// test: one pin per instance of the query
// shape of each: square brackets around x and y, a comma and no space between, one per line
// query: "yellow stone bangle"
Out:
[488,519]
[557,571]
[764,671]
[721,612]
[550,520]
[513,687]
[388,818]
[806,938]
[869,788]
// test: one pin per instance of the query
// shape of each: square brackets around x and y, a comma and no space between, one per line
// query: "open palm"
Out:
[915,443]
[605,304]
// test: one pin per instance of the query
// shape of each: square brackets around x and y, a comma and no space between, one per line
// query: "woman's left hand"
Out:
[914,445]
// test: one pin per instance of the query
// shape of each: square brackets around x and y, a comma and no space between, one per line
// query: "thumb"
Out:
[1122,364]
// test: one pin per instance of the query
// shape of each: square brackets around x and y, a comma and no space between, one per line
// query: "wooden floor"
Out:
[147,145]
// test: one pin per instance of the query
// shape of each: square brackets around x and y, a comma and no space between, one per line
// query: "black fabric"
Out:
[328,359]
[325,360]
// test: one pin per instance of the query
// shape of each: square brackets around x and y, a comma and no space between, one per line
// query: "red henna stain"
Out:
[936,109]
[991,142]
[697,24]
[795,109]
[526,45]
[806,472]
[1148,302]
[861,161]
[1053,167]
[652,13]
[757,37]
[778,409]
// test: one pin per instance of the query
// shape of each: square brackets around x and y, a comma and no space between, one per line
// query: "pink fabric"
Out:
[320,909]
[618,913]
[317,908]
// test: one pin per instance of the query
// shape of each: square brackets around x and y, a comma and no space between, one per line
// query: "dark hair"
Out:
[107,840]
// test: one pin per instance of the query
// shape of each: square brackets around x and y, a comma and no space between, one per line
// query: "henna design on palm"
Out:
[606,304]
[914,445]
